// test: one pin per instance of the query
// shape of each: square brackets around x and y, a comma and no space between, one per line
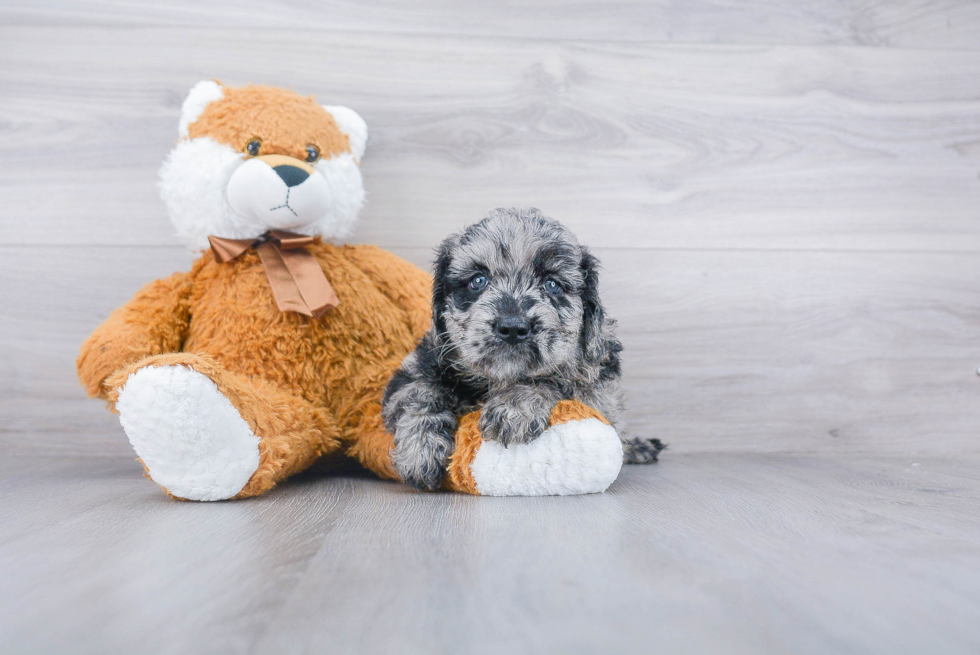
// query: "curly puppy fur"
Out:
[517,325]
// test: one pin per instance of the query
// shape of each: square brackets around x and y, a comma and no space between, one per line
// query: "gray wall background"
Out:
[785,195]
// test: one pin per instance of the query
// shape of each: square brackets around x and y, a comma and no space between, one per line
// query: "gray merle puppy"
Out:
[517,326]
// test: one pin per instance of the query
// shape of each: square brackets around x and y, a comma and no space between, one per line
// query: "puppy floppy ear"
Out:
[594,341]
[440,283]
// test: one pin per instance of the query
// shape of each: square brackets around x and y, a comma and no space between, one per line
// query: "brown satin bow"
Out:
[297,281]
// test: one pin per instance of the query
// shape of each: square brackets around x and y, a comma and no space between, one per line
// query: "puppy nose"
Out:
[291,175]
[512,329]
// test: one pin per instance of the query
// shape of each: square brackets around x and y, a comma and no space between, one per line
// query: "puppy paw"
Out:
[641,450]
[421,460]
[509,424]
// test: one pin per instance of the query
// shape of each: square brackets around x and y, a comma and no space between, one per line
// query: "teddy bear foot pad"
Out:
[191,439]
[580,453]
[579,457]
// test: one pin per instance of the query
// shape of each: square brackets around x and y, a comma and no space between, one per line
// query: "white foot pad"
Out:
[578,457]
[192,440]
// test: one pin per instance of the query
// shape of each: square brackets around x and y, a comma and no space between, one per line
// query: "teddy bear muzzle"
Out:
[278,192]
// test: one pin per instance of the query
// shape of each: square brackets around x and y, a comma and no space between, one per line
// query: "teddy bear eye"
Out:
[312,153]
[253,147]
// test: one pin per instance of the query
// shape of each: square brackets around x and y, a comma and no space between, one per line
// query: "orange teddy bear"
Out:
[275,348]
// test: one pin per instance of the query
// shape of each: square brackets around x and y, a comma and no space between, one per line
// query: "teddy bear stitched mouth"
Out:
[280,197]
[285,204]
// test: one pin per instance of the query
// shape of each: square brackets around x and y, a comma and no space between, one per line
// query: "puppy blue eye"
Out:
[479,283]
[552,287]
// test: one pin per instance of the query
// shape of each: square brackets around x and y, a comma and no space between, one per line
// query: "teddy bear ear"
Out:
[351,124]
[204,92]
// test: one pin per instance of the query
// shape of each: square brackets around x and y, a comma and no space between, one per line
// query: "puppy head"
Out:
[516,297]
[256,158]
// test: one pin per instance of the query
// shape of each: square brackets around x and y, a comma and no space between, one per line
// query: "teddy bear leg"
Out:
[203,433]
[579,453]
[365,436]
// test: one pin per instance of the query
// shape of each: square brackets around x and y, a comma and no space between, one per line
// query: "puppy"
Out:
[517,326]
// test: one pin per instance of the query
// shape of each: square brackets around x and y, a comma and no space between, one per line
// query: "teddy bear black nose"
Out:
[291,175]
[512,329]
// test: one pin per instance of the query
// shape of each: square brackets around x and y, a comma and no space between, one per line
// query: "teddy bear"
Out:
[275,348]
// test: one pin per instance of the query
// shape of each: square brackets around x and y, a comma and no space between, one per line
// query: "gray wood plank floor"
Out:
[711,553]
[785,196]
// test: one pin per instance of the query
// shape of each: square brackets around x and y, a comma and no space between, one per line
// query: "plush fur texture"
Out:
[351,124]
[518,326]
[190,437]
[222,394]
[579,453]
[213,185]
[201,95]
[306,387]
[581,457]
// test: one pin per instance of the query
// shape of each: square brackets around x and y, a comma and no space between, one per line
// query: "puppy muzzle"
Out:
[512,329]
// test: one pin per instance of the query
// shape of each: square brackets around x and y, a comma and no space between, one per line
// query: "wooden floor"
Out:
[786,199]
[711,553]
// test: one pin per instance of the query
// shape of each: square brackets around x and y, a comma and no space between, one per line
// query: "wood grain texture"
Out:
[785,198]
[676,146]
[725,350]
[908,23]
[703,553]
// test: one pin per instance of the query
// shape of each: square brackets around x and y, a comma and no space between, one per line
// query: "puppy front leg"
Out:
[423,444]
[420,416]
[518,413]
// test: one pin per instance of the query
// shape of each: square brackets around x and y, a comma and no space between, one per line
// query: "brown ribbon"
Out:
[297,281]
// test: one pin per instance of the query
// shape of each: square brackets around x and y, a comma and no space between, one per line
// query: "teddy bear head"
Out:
[258,158]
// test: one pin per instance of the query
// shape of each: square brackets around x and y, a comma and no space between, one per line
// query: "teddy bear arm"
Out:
[154,322]
[406,285]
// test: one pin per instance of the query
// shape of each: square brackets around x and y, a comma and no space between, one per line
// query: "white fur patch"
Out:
[194,180]
[192,184]
[578,457]
[345,187]
[351,124]
[257,193]
[191,439]
[196,101]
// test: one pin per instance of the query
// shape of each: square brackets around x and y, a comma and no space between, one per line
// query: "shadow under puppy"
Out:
[517,326]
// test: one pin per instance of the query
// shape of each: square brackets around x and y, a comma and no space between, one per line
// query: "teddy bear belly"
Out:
[316,359]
